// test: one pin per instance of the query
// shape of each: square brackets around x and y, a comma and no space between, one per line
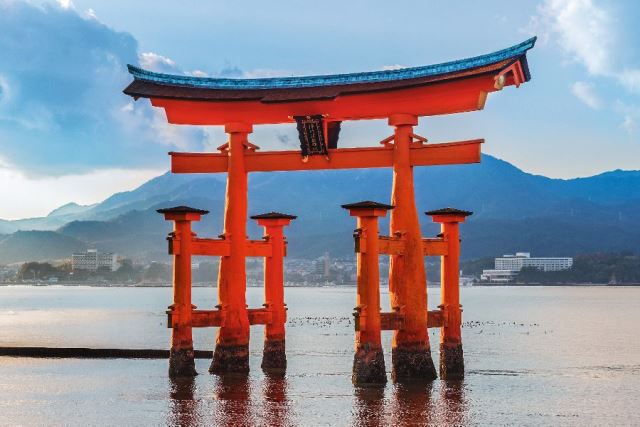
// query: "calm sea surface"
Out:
[534,356]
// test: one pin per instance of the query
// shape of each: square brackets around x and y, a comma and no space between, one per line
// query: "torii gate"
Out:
[400,96]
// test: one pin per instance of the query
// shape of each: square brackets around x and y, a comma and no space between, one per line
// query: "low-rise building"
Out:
[507,267]
[92,260]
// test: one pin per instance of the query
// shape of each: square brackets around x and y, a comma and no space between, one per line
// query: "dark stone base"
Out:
[451,362]
[274,358]
[368,367]
[181,363]
[412,365]
[230,359]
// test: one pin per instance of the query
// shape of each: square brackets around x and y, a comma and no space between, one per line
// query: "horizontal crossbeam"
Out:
[199,318]
[395,245]
[339,158]
[394,321]
[222,247]
[211,247]
[215,318]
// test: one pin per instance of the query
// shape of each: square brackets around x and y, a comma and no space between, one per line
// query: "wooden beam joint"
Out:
[259,316]
[173,244]
[391,245]
[386,245]
[435,319]
[394,321]
[436,246]
[199,318]
[259,248]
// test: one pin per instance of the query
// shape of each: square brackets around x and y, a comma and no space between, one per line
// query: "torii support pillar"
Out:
[411,352]
[451,355]
[368,361]
[181,357]
[232,344]
[274,358]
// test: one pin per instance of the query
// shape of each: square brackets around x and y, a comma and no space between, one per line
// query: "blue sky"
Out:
[67,133]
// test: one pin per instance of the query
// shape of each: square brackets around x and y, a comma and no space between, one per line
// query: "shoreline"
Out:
[319,285]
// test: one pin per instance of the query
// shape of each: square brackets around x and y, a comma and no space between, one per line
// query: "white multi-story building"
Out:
[523,259]
[508,266]
[92,260]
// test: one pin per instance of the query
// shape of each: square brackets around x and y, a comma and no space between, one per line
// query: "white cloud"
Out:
[180,137]
[155,62]
[4,89]
[27,196]
[150,124]
[585,92]
[68,114]
[66,4]
[629,124]
[264,73]
[584,30]
[393,67]
[90,14]
[630,116]
[197,73]
[631,80]
[591,34]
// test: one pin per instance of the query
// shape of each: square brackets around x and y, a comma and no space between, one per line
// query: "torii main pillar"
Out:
[232,343]
[411,352]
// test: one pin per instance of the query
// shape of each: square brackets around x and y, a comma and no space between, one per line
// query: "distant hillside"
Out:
[38,246]
[69,209]
[513,210]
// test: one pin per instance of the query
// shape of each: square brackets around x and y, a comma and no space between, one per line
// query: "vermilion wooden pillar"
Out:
[232,344]
[368,361]
[411,353]
[451,355]
[274,358]
[181,361]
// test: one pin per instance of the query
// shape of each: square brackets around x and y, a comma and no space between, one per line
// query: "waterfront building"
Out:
[507,267]
[92,260]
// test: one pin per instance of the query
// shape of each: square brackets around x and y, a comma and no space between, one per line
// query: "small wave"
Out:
[48,286]
[498,372]
[613,368]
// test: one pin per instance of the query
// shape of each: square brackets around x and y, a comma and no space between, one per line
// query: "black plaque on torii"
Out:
[311,132]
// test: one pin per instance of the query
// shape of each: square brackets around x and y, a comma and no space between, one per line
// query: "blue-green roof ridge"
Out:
[514,52]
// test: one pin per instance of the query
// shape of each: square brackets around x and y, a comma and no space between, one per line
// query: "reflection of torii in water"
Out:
[401,96]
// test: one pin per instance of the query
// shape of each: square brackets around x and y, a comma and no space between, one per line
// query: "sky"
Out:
[67,133]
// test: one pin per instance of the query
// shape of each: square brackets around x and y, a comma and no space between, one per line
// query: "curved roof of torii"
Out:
[165,89]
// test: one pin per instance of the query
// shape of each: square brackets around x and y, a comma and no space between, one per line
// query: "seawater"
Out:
[534,356]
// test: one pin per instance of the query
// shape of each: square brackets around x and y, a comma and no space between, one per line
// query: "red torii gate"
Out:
[400,96]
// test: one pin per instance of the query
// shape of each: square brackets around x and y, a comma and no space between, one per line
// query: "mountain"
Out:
[56,218]
[513,210]
[38,246]
[69,209]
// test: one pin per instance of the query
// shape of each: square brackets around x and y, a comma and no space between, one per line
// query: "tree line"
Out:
[602,268]
[606,268]
[127,272]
